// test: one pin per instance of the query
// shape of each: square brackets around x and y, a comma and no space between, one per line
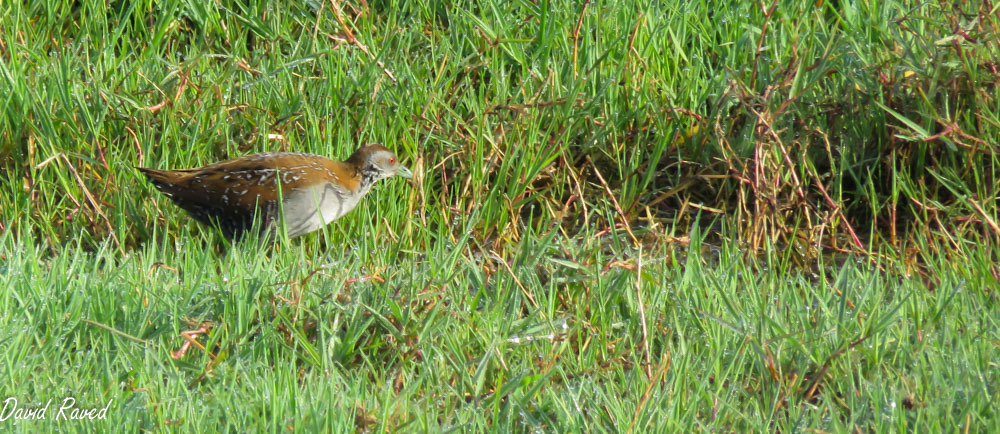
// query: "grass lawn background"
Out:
[626,216]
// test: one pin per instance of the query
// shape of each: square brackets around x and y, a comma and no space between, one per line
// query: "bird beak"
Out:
[404,172]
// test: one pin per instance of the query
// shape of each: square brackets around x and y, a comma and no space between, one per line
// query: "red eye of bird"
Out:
[392,161]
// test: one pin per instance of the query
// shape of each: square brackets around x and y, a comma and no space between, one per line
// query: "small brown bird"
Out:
[314,190]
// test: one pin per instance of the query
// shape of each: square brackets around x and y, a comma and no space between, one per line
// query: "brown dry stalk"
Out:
[86,192]
[653,381]
[989,221]
[93,201]
[768,12]
[335,7]
[811,391]
[516,280]
[614,201]
[631,45]
[576,35]
[190,338]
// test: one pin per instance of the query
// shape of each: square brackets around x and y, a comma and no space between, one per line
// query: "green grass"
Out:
[444,344]
[626,216]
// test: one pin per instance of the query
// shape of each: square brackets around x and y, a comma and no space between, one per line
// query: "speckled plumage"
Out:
[314,189]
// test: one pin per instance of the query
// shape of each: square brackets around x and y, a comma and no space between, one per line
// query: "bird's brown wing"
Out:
[232,192]
[189,190]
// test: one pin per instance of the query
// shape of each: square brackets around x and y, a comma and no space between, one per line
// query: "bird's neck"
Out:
[369,174]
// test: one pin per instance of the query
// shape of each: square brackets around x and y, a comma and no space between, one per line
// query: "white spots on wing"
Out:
[275,155]
[290,176]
